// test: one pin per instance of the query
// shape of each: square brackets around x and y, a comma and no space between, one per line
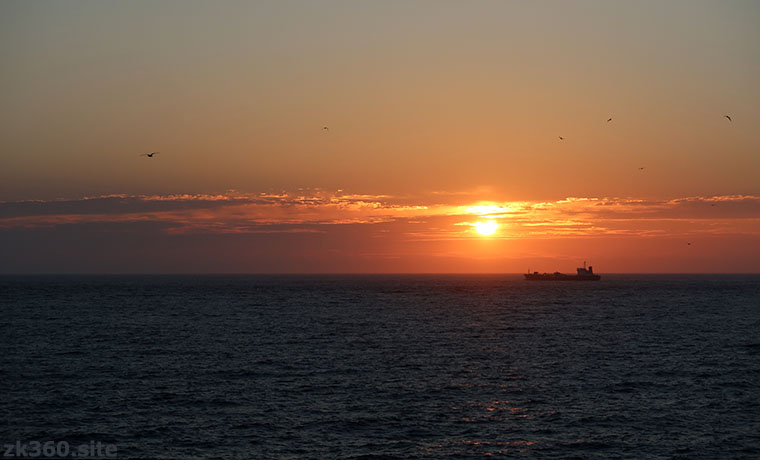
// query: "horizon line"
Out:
[356,273]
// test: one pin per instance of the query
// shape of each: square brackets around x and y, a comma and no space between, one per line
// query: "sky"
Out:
[440,115]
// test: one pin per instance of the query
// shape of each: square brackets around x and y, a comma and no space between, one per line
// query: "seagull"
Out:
[609,120]
[149,155]
[326,128]
[641,168]
[729,118]
[561,138]
[688,244]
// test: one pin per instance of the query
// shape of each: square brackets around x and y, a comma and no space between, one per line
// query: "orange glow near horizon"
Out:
[321,231]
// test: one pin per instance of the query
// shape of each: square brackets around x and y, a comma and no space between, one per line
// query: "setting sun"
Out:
[486,228]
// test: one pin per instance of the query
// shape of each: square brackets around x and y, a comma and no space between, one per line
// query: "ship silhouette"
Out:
[583,274]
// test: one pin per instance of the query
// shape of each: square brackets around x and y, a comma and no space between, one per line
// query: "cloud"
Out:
[337,232]
[420,217]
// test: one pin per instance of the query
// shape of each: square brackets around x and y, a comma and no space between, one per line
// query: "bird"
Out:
[729,118]
[609,120]
[149,155]
[561,138]
[641,168]
[326,128]
[688,244]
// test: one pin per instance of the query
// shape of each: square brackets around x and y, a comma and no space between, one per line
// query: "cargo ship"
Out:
[582,275]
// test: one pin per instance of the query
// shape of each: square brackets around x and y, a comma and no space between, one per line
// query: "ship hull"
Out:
[560,277]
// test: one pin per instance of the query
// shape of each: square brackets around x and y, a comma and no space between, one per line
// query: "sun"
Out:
[486,228]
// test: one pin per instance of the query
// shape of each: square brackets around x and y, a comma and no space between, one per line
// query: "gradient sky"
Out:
[441,114]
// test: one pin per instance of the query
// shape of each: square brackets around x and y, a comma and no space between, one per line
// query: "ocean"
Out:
[381,367]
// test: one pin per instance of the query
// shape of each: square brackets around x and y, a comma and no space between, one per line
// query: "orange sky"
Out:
[319,231]
[440,114]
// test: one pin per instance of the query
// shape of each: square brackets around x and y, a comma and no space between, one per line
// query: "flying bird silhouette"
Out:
[688,244]
[729,118]
[149,155]
[641,168]
[326,128]
[561,138]
[609,120]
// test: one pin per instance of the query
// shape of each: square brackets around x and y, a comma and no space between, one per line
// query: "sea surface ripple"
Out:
[384,367]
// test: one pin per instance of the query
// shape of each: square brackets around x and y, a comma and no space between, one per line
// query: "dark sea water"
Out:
[292,367]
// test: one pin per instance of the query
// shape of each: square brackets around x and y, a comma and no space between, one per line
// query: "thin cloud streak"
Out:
[422,217]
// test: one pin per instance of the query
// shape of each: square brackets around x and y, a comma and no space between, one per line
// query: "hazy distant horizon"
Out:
[360,274]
